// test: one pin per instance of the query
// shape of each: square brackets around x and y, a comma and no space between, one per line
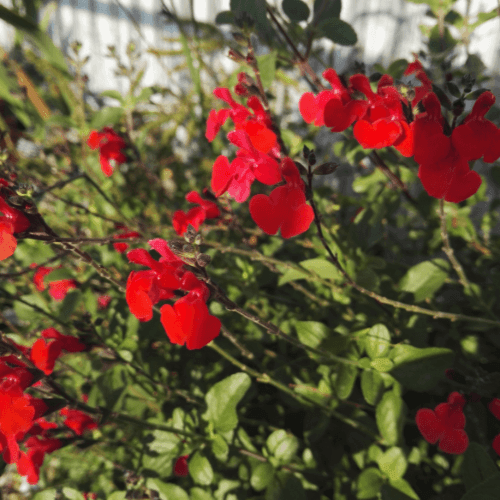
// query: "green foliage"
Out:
[312,387]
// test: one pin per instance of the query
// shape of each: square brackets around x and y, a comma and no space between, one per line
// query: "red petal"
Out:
[496,444]
[429,425]
[454,441]
[221,176]
[463,187]
[263,213]
[8,244]
[379,134]
[494,407]
[404,144]
[307,107]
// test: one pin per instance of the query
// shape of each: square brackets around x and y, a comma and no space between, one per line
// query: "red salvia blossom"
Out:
[494,407]
[78,421]
[445,424]
[188,321]
[334,108]
[122,247]
[181,468]
[285,208]
[195,216]
[422,90]
[103,301]
[57,289]
[44,353]
[444,171]
[258,154]
[110,146]
[12,221]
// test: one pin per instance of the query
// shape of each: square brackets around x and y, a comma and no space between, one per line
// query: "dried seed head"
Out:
[203,260]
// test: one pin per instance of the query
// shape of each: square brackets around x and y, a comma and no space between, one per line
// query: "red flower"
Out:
[476,136]
[38,277]
[334,108]
[285,208]
[258,148]
[420,92]
[59,289]
[494,407]
[445,424]
[110,145]
[11,221]
[29,463]
[123,247]
[195,216]
[189,322]
[103,301]
[444,171]
[78,421]
[181,466]
[44,354]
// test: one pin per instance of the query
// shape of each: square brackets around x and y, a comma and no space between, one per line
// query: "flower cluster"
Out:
[445,424]
[258,158]
[25,435]
[384,119]
[188,321]
[58,289]
[110,146]
[12,221]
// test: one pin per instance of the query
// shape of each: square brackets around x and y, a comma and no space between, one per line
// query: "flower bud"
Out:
[203,260]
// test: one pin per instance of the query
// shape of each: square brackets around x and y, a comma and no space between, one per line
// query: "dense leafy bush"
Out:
[192,308]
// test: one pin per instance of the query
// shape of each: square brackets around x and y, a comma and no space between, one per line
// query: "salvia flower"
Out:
[110,146]
[445,424]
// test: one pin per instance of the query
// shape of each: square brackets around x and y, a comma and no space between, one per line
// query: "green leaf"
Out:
[114,94]
[440,42]
[389,417]
[326,9]
[267,68]
[477,466]
[397,68]
[72,494]
[106,117]
[323,268]
[262,476]
[49,494]
[382,364]
[369,483]
[311,333]
[338,31]
[256,9]
[109,388]
[219,447]
[420,369]
[224,17]
[167,491]
[372,386]
[52,54]
[291,275]
[199,494]
[296,10]
[282,445]
[69,304]
[398,490]
[487,490]
[425,278]
[222,399]
[200,469]
[377,341]
[165,443]
[393,463]
[344,383]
